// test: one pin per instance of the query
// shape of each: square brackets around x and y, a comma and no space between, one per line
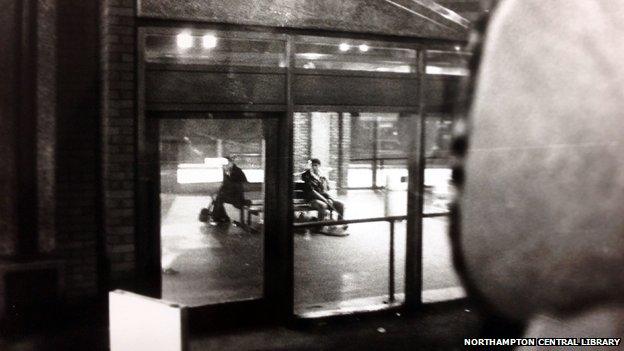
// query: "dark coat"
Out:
[232,189]
[314,183]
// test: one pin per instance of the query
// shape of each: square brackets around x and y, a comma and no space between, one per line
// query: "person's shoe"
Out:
[333,231]
[216,221]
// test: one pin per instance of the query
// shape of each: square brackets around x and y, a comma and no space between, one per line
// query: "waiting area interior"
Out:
[163,162]
[364,157]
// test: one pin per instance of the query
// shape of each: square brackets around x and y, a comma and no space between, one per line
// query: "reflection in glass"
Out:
[215,261]
[450,63]
[211,49]
[354,55]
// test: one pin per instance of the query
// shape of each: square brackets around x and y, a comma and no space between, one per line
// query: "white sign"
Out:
[142,323]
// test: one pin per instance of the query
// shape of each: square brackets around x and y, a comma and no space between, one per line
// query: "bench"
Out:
[256,207]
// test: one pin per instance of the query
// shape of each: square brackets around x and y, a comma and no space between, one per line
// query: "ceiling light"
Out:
[363,47]
[184,40]
[209,41]
[344,47]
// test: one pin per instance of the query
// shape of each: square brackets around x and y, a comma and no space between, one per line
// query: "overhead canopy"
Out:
[410,18]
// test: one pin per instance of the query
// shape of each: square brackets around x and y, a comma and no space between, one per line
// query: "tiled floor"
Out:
[224,263]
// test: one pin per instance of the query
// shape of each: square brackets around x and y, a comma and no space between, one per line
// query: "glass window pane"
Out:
[440,281]
[379,149]
[221,259]
[438,190]
[347,269]
[453,63]
[214,49]
[354,55]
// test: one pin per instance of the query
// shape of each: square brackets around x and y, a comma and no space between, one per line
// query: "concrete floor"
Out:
[224,263]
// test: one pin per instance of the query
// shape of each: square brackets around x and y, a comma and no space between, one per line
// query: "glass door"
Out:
[444,72]
[212,193]
[349,235]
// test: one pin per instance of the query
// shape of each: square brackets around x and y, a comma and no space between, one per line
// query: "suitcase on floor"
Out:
[204,215]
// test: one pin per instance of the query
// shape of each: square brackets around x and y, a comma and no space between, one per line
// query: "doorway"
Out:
[218,259]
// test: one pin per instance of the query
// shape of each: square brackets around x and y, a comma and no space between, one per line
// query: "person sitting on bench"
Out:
[315,191]
[231,191]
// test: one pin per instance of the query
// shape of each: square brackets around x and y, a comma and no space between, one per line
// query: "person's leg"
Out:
[339,206]
[218,211]
[320,207]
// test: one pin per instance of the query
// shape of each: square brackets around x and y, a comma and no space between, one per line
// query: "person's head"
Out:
[315,165]
[230,162]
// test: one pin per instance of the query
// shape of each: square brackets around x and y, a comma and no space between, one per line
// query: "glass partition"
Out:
[440,282]
[438,192]
[379,149]
[356,263]
[349,245]
[214,48]
[216,164]
[450,63]
[353,55]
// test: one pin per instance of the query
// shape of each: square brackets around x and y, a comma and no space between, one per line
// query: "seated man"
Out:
[231,191]
[315,191]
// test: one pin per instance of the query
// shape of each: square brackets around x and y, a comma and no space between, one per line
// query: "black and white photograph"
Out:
[186,175]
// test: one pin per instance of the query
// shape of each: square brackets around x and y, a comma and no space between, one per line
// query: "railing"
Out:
[391,221]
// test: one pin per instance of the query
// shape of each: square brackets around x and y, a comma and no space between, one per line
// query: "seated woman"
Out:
[315,191]
[231,191]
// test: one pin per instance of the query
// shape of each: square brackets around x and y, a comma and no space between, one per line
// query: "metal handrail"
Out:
[348,221]
[364,220]
[391,220]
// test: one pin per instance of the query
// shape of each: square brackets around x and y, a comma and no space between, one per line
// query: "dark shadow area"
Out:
[441,326]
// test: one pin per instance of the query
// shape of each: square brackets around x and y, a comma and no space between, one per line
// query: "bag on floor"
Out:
[206,213]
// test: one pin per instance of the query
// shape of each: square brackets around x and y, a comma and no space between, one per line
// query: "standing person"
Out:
[231,191]
[316,187]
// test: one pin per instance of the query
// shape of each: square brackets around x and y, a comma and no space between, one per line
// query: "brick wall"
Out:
[343,179]
[301,137]
[77,174]
[340,150]
[118,136]
[302,144]
[333,146]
